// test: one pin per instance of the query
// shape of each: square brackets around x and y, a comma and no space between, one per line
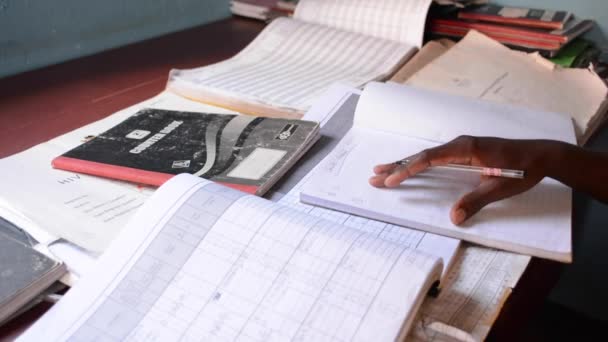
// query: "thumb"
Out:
[489,190]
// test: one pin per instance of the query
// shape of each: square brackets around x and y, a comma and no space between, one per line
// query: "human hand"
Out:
[527,155]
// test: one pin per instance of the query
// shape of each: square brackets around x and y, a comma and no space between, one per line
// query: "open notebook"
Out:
[201,261]
[294,60]
[394,121]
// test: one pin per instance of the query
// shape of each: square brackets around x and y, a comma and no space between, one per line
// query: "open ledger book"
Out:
[394,121]
[295,60]
[202,261]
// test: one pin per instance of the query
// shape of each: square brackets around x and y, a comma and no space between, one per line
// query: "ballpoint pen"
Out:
[487,171]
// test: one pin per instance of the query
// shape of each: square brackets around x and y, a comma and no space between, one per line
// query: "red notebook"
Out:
[571,30]
[530,17]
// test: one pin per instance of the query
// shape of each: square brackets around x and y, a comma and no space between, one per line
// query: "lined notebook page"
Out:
[294,60]
[397,20]
[202,262]
[409,120]
[536,223]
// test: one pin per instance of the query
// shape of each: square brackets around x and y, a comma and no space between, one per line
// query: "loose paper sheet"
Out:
[480,67]
[428,53]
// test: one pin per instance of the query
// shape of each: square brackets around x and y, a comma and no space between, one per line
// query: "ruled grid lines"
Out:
[326,42]
[272,273]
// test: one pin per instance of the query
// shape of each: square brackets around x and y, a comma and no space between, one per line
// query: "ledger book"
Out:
[295,60]
[201,261]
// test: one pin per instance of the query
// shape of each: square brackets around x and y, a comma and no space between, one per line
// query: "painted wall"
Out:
[36,33]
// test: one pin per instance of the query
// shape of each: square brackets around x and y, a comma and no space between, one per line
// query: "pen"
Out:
[487,171]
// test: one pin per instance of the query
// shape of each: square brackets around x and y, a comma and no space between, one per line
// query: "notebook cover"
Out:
[153,145]
[24,274]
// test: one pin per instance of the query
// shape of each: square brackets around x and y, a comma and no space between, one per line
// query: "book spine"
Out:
[502,30]
[128,174]
[111,171]
[513,21]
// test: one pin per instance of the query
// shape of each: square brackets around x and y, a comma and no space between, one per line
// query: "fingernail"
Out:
[459,216]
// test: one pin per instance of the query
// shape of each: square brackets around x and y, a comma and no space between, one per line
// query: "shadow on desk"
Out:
[555,322]
[15,327]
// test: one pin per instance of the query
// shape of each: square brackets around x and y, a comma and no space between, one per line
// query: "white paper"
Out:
[537,222]
[201,261]
[255,165]
[443,247]
[85,210]
[440,117]
[397,20]
[480,67]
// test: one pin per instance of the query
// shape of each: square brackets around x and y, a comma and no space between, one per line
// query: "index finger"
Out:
[458,151]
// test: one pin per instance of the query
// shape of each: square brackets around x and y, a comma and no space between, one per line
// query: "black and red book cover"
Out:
[241,151]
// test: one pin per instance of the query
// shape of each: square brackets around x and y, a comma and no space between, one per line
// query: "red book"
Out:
[507,40]
[571,30]
[520,16]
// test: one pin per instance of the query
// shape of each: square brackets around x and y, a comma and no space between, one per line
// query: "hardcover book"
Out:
[24,274]
[245,152]
[572,29]
[530,17]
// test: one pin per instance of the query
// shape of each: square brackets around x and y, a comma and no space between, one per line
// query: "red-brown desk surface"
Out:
[42,104]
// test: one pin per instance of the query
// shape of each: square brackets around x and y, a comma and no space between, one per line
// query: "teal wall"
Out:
[36,33]
[587,9]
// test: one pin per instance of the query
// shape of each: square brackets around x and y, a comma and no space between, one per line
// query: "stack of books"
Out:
[263,9]
[542,30]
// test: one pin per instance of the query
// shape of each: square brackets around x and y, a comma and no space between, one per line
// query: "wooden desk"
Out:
[39,105]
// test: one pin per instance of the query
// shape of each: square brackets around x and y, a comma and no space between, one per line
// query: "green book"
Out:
[569,54]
